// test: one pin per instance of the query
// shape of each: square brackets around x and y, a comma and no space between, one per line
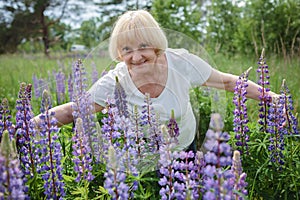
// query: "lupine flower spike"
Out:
[11,183]
[49,151]
[115,176]
[180,171]
[25,131]
[84,107]
[276,120]
[151,125]
[120,98]
[291,119]
[60,86]
[265,99]
[240,122]
[240,184]
[5,119]
[216,180]
[82,154]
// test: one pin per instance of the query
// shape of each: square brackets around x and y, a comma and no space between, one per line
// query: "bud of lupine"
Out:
[216,180]
[291,120]
[240,122]
[240,184]
[82,153]
[275,121]
[5,119]
[60,87]
[11,183]
[49,151]
[265,99]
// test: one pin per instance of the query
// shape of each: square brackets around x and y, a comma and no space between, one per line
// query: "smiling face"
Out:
[138,56]
[132,31]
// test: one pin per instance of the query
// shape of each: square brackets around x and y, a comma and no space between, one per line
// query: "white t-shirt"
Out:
[185,70]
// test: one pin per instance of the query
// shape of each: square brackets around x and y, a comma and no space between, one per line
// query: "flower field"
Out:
[248,153]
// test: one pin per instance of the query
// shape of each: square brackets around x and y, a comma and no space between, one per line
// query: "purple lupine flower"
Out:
[115,176]
[42,85]
[216,180]
[239,179]
[151,125]
[60,86]
[82,154]
[265,98]
[37,92]
[173,126]
[291,120]
[275,127]
[70,87]
[49,150]
[118,134]
[240,122]
[11,183]
[95,74]
[167,156]
[25,131]
[109,128]
[139,135]
[187,174]
[120,98]
[5,119]
[83,106]
[180,171]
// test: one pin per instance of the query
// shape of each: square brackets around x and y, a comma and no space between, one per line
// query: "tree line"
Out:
[242,26]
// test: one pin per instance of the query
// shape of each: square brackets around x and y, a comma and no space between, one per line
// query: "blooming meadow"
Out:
[117,154]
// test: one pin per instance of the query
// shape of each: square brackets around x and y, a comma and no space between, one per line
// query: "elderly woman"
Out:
[147,66]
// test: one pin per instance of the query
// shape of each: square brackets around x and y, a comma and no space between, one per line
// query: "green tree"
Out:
[223,21]
[180,15]
[29,21]
[273,25]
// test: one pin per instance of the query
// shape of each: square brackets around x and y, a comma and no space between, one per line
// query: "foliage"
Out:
[223,22]
[181,16]
[273,25]
[29,22]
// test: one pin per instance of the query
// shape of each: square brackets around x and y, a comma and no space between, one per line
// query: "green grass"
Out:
[19,68]
[279,69]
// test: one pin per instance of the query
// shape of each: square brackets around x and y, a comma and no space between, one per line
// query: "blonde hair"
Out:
[136,25]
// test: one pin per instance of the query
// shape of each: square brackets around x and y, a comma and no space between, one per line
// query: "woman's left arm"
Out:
[227,82]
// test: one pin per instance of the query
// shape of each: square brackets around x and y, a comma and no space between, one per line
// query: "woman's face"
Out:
[138,56]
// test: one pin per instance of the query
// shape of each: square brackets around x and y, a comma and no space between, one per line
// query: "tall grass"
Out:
[19,68]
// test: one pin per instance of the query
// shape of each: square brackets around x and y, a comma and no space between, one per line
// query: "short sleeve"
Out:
[194,68]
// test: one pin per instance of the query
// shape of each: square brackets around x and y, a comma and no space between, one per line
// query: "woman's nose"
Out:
[136,55]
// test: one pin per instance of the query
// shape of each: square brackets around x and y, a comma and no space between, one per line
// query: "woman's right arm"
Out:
[63,113]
